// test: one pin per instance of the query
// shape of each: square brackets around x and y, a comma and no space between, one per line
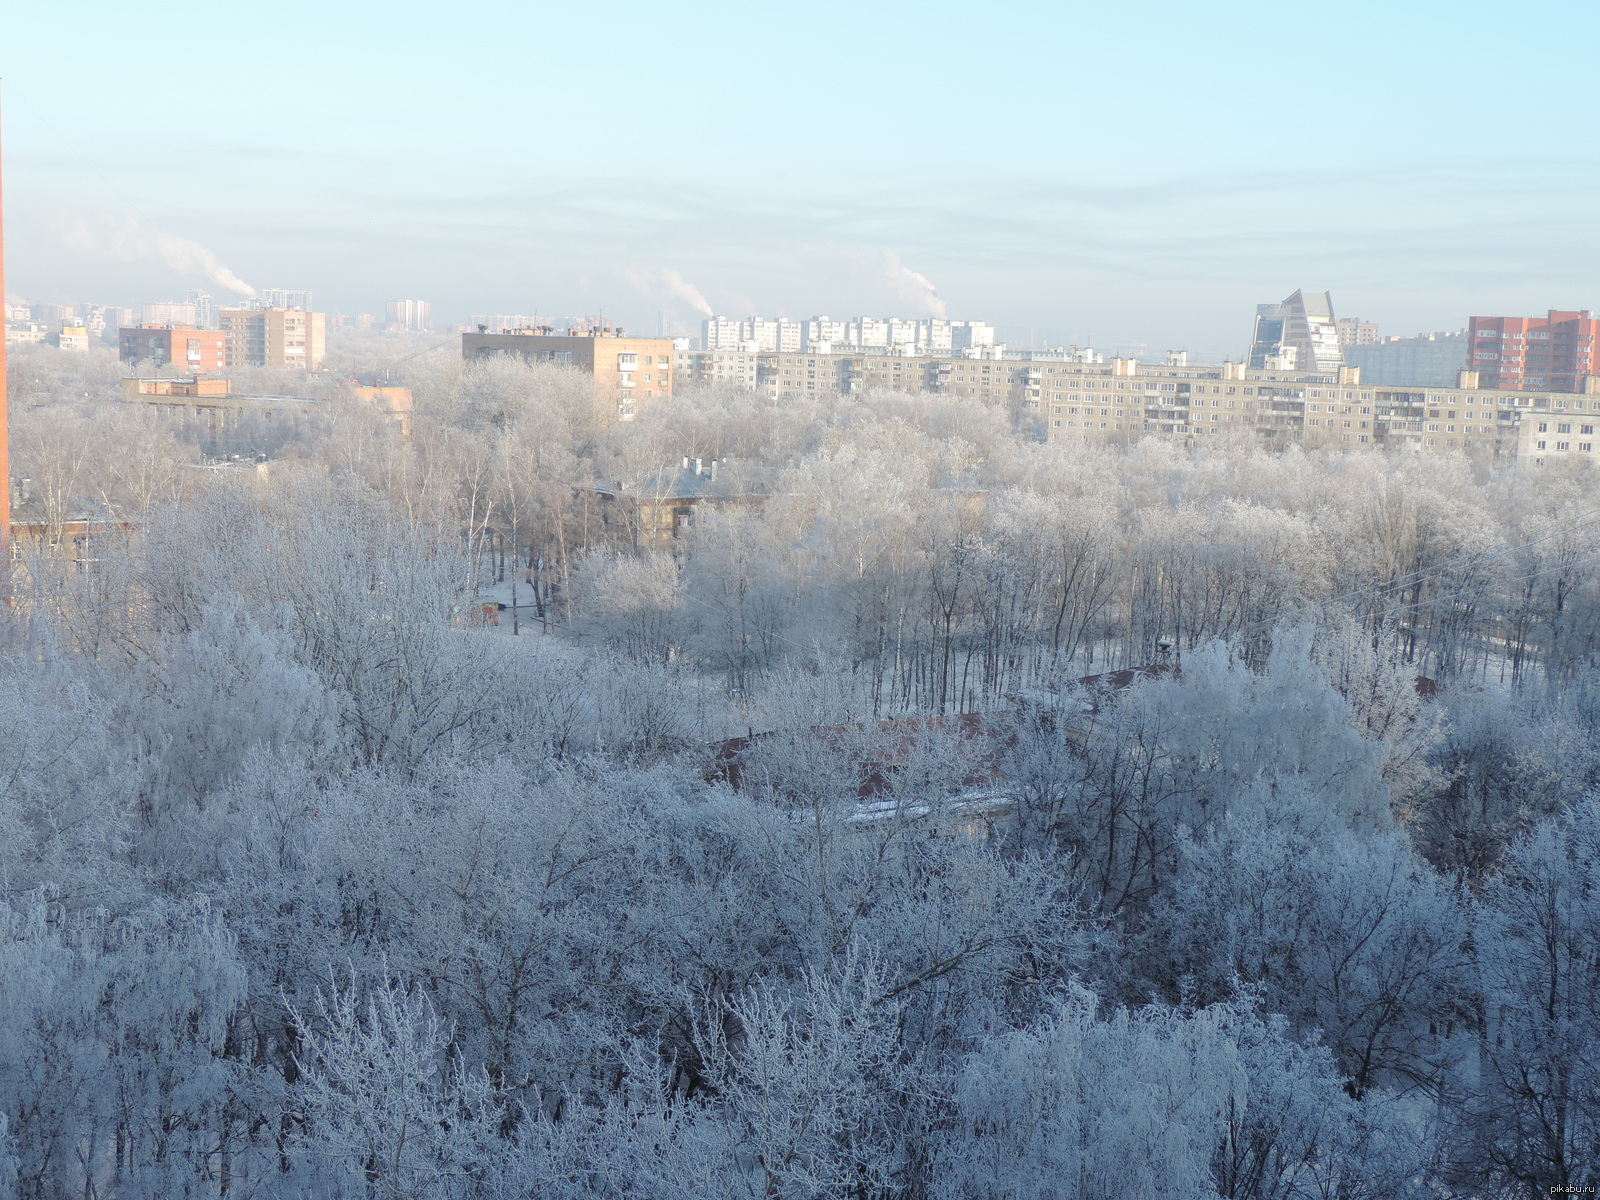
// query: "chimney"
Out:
[713,470]
[696,464]
[685,462]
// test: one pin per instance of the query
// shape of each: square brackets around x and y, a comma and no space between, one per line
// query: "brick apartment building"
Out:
[190,350]
[1553,353]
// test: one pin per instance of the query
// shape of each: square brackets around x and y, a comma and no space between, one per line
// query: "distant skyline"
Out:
[1139,173]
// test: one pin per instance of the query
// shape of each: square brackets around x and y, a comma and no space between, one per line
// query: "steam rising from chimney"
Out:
[680,287]
[912,286]
[674,284]
[128,242]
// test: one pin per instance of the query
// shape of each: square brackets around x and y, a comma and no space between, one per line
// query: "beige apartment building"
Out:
[1123,400]
[274,337]
[633,370]
[1560,429]
[1279,408]
[992,381]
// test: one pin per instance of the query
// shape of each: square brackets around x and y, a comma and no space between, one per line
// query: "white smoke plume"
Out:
[673,284]
[912,286]
[680,287]
[129,242]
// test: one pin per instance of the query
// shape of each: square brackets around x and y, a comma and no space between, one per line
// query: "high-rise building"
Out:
[169,312]
[282,298]
[192,351]
[114,319]
[819,331]
[408,315]
[504,322]
[1553,353]
[74,337]
[781,335]
[1353,331]
[205,309]
[274,337]
[971,335]
[1300,334]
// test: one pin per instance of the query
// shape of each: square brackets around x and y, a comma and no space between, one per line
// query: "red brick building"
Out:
[1554,353]
[192,351]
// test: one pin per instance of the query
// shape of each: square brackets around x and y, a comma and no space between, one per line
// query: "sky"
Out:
[1137,174]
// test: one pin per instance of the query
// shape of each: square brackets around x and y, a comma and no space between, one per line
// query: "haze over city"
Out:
[900,602]
[1135,174]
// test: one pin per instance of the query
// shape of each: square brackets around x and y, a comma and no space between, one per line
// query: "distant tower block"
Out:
[408,315]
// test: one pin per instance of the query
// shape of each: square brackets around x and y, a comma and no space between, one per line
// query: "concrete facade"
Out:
[633,371]
[1427,360]
[288,338]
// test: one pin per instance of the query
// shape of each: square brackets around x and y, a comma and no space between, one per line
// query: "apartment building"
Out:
[991,381]
[1353,331]
[1553,353]
[194,351]
[1426,360]
[1079,399]
[1279,408]
[170,312]
[1558,428]
[297,298]
[752,334]
[824,334]
[289,338]
[205,309]
[410,316]
[632,370]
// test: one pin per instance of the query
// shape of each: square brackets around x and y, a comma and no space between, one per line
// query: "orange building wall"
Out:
[620,365]
[193,351]
[1553,353]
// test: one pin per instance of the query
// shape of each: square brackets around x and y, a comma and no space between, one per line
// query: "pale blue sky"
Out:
[1140,172]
